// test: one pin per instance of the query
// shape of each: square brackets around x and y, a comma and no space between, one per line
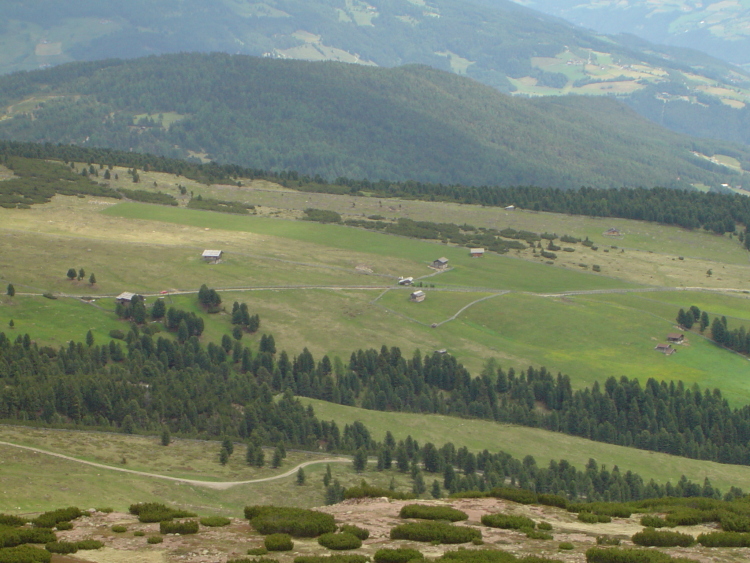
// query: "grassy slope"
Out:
[543,445]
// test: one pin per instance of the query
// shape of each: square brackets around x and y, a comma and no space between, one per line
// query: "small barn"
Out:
[405,281]
[125,297]
[665,349]
[418,296]
[212,256]
[675,337]
[476,252]
[612,232]
[440,263]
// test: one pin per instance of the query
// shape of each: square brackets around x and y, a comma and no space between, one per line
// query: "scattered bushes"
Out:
[565,546]
[215,521]
[297,522]
[106,509]
[533,534]
[401,555]
[507,521]
[361,533]
[544,526]
[619,555]
[157,512]
[257,551]
[653,522]
[435,531]
[426,512]
[184,527]
[50,519]
[341,540]
[25,554]
[607,540]
[119,529]
[653,538]
[322,215]
[139,533]
[278,542]
[477,556]
[724,539]
[155,539]
[338,558]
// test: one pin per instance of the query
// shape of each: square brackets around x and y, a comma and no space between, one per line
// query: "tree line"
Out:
[160,385]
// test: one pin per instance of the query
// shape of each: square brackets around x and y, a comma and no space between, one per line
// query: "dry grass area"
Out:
[215,545]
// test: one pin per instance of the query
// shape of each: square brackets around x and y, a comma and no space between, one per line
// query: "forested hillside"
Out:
[333,120]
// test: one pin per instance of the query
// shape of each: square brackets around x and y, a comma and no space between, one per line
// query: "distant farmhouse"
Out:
[406,281]
[510,208]
[675,337]
[476,252]
[612,233]
[418,296]
[125,297]
[212,256]
[440,263]
[665,349]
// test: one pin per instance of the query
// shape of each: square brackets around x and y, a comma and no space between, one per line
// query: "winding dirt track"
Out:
[217,485]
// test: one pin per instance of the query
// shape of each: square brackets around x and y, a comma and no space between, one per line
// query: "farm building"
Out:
[665,349]
[476,252]
[612,232]
[125,297]
[418,296]
[440,263]
[406,281]
[675,337]
[510,208]
[212,256]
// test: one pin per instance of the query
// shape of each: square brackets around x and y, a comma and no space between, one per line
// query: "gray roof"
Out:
[442,260]
[212,253]
[126,296]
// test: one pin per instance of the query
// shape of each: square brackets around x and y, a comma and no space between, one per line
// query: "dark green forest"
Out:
[337,120]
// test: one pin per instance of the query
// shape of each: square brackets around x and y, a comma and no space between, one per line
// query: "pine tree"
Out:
[89,339]
[327,477]
[277,457]
[166,438]
[81,274]
[300,476]
[11,291]
[223,456]
[436,491]
[72,273]
[360,460]
[92,279]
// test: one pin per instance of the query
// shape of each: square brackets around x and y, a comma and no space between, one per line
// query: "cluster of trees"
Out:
[737,339]
[79,275]
[209,298]
[153,384]
[241,317]
[209,204]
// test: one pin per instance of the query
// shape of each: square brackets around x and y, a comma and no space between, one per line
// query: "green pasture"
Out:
[437,307]
[493,271]
[544,445]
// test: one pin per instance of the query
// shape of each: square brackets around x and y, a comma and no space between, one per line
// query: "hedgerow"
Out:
[183,527]
[724,539]
[297,522]
[507,521]
[278,542]
[435,531]
[401,555]
[361,533]
[158,512]
[427,512]
[662,538]
[521,496]
[341,540]
[25,554]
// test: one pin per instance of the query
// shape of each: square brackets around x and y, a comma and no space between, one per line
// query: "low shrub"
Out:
[119,529]
[61,547]
[183,527]
[341,540]
[117,334]
[507,521]
[361,533]
[565,546]
[155,539]
[621,555]
[215,521]
[548,499]
[89,544]
[653,521]
[735,523]
[724,539]
[434,532]
[401,555]
[691,517]
[533,534]
[477,556]
[521,496]
[653,538]
[607,540]
[544,526]
[337,558]
[139,533]
[106,510]
[62,526]
[12,520]
[589,518]
[297,522]
[248,560]
[25,554]
[427,512]
[364,490]
[50,519]
[278,542]
[157,512]
[613,509]
[257,551]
